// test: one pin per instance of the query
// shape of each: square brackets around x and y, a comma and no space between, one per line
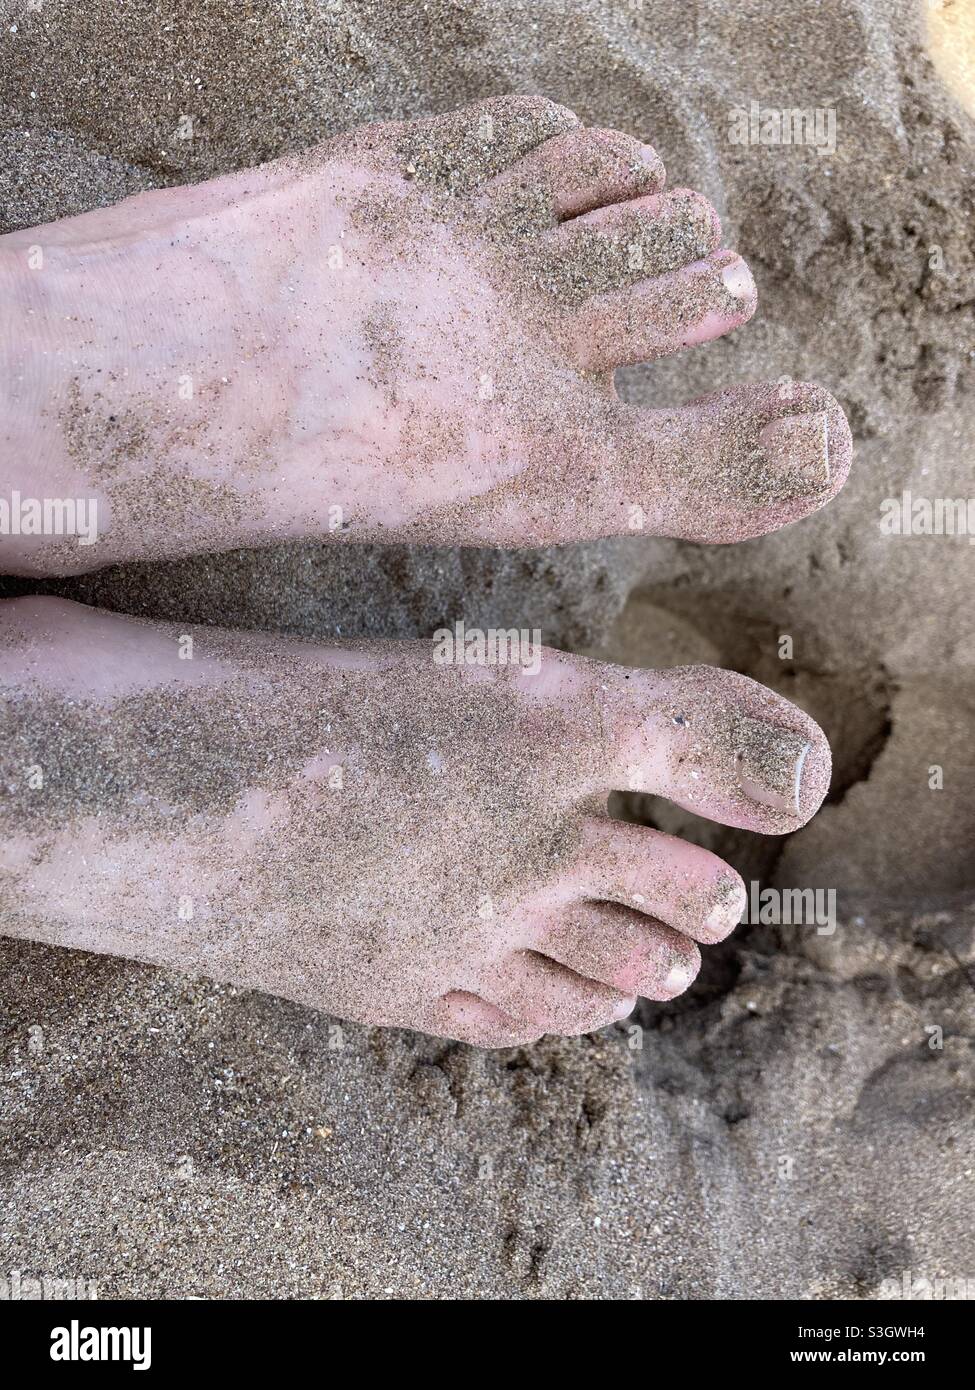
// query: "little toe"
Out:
[623,949]
[547,995]
[671,880]
[467,1017]
[463,149]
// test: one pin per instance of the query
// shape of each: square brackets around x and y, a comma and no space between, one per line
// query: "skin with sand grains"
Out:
[366,830]
[407,333]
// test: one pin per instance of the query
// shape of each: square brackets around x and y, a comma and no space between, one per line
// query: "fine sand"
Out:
[799,1124]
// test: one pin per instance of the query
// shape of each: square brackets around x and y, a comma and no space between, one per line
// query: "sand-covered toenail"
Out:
[624,1008]
[650,157]
[769,763]
[730,900]
[800,445]
[738,279]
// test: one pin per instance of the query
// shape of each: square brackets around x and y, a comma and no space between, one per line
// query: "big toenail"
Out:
[738,280]
[800,444]
[769,764]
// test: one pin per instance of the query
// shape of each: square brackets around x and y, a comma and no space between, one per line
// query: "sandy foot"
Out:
[380,830]
[409,332]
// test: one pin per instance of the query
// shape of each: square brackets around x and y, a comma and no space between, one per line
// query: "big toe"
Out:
[734,465]
[716,743]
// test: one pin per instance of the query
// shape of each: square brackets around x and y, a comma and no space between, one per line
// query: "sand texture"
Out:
[788,1128]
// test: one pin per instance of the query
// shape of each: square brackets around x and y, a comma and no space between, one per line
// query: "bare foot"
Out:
[409,332]
[367,831]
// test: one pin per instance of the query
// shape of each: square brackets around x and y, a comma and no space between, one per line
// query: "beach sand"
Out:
[798,1125]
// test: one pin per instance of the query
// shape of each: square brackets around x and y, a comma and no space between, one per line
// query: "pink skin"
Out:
[409,333]
[341,346]
[384,935]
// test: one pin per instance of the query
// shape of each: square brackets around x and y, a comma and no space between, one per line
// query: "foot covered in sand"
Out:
[373,830]
[409,332]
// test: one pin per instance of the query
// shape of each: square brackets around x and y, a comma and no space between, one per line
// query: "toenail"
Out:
[738,280]
[677,979]
[717,921]
[769,764]
[801,444]
[726,913]
[624,1008]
